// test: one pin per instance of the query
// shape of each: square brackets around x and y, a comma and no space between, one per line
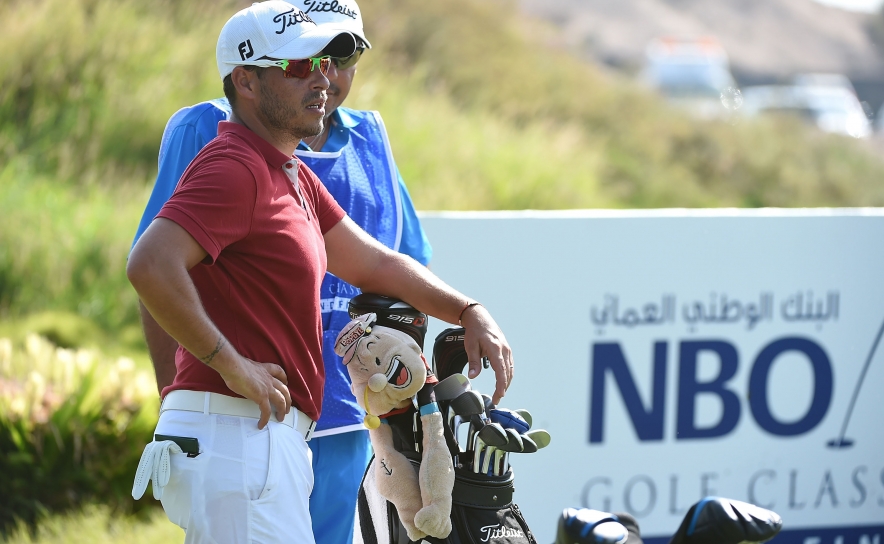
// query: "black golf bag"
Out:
[482,505]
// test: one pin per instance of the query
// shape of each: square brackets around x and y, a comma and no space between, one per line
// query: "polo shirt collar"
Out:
[274,157]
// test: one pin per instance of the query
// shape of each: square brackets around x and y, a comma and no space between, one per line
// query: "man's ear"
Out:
[245,82]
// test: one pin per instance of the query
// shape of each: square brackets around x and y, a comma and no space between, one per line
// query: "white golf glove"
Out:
[155,467]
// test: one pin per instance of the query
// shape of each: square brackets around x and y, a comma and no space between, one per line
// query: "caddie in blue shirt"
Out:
[352,157]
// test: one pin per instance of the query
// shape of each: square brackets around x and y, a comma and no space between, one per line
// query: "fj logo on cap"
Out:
[291,18]
[245,50]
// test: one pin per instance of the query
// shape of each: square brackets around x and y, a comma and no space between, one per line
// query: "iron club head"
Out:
[451,387]
[539,436]
[529,446]
[468,403]
[493,435]
[514,441]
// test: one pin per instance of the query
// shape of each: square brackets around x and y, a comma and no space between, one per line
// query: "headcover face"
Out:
[385,365]
[392,313]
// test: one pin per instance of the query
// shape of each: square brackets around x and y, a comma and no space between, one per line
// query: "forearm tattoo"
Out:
[208,358]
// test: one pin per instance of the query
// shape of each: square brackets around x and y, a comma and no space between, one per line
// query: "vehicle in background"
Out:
[828,103]
[692,73]
[822,79]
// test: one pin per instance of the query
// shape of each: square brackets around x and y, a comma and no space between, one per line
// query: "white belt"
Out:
[215,403]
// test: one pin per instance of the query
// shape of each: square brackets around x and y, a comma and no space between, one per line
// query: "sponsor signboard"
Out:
[676,354]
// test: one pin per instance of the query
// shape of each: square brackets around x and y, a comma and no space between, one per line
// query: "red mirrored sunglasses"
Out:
[300,68]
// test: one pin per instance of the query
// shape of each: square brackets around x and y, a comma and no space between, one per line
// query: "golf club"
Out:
[451,387]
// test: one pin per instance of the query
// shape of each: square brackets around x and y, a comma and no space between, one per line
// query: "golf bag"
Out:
[482,505]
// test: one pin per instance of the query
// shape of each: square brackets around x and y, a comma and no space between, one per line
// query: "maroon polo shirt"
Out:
[266,259]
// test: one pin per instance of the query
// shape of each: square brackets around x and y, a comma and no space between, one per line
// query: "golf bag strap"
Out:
[366,523]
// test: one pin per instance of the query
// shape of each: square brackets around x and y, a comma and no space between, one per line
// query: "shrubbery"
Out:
[73,425]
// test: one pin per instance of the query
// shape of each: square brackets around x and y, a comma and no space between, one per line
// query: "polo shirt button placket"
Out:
[292,173]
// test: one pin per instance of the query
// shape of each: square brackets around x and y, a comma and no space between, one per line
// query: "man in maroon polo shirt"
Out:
[231,269]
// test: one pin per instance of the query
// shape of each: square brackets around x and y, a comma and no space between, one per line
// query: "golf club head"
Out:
[508,419]
[493,435]
[489,404]
[514,442]
[528,445]
[540,437]
[451,387]
[469,403]
[587,526]
[526,415]
[726,521]
[392,313]
[449,354]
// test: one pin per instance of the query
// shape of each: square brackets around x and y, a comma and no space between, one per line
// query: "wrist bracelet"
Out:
[465,308]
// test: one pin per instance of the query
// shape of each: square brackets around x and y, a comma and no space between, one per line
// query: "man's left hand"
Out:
[483,338]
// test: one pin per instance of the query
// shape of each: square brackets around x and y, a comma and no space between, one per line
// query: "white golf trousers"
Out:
[246,486]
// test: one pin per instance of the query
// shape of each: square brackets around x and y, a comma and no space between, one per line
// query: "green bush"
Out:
[72,428]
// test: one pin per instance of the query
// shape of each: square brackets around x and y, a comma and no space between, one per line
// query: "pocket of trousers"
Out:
[178,495]
[256,457]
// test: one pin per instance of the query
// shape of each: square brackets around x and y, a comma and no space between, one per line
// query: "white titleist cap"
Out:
[340,14]
[276,30]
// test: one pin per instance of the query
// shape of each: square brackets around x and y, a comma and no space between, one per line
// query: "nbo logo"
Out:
[607,358]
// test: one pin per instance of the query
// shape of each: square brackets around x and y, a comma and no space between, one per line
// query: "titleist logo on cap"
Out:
[291,18]
[332,7]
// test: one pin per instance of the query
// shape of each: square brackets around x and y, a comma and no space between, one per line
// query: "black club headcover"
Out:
[585,526]
[391,313]
[449,354]
[715,520]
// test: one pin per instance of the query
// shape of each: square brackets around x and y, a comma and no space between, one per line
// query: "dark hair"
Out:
[230,90]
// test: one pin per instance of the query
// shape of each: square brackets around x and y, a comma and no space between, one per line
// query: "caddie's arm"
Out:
[158,270]
[161,348]
[360,260]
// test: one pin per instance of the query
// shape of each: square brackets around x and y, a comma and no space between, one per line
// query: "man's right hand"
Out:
[158,269]
[263,383]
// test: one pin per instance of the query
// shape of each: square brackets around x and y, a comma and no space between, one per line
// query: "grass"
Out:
[98,525]
[63,248]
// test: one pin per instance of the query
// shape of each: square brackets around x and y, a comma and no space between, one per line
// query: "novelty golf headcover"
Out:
[386,366]
[387,370]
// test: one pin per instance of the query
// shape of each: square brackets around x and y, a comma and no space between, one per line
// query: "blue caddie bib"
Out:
[362,178]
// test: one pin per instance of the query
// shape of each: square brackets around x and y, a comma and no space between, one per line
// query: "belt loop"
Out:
[207,402]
